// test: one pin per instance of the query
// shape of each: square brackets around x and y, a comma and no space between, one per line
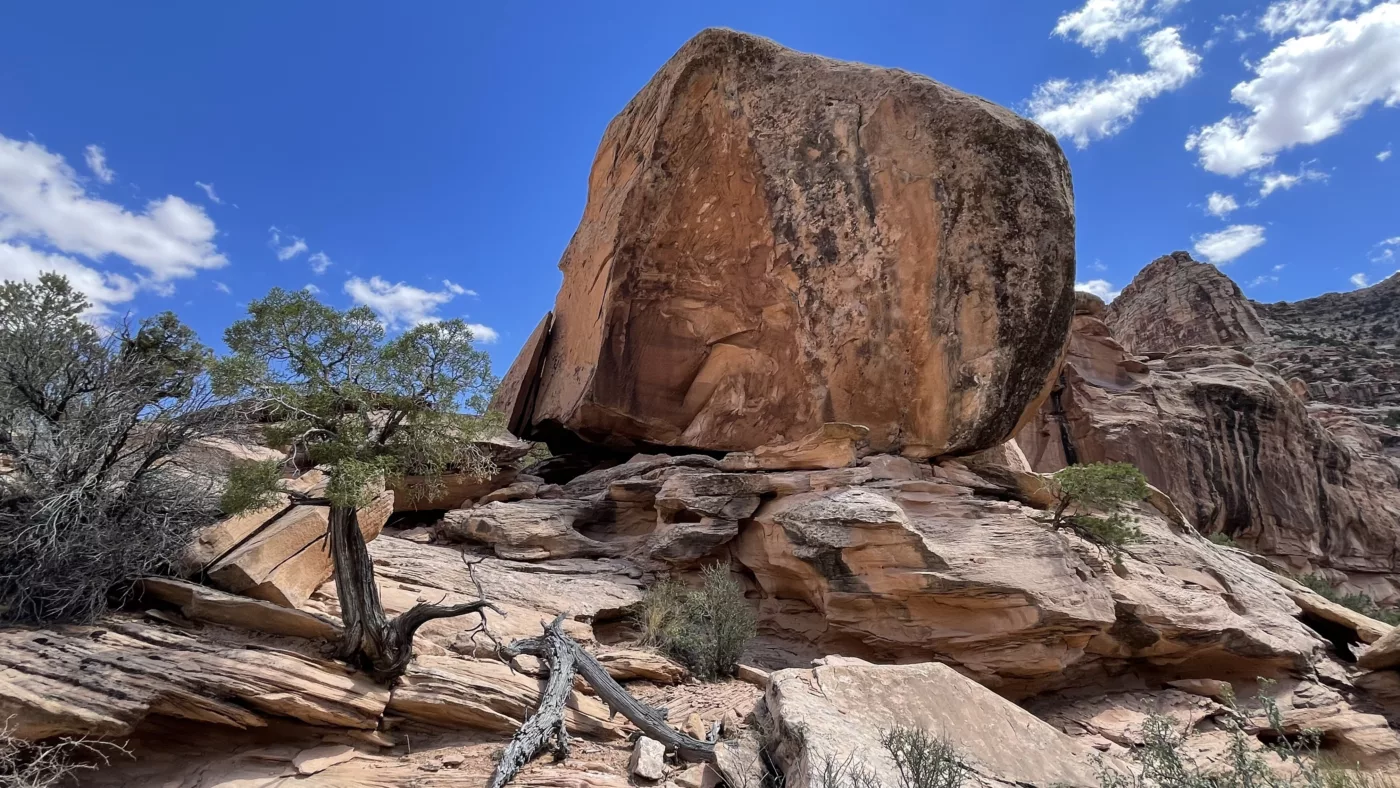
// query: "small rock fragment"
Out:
[648,759]
[318,759]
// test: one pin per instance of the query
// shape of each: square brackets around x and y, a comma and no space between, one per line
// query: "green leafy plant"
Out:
[1392,419]
[251,485]
[1290,760]
[1223,539]
[1101,487]
[342,393]
[705,628]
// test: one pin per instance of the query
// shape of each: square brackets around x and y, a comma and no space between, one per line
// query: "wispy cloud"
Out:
[1271,182]
[209,192]
[286,250]
[1307,89]
[1098,108]
[1220,205]
[1384,155]
[97,162]
[1229,244]
[319,262]
[400,305]
[1098,22]
[1359,280]
[222,288]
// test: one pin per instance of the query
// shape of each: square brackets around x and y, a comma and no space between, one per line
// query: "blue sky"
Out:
[430,159]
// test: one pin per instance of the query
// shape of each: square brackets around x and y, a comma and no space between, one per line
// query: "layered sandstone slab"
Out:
[774,241]
[1176,301]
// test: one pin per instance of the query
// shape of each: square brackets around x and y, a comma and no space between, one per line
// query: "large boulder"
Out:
[774,241]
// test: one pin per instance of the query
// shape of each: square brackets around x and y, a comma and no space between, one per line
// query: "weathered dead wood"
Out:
[380,646]
[563,657]
[546,725]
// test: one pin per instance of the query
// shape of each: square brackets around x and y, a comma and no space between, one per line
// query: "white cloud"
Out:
[399,305]
[1385,250]
[1383,155]
[1305,16]
[1359,280]
[454,287]
[1306,90]
[97,162]
[312,289]
[209,192]
[1228,244]
[288,250]
[319,261]
[1099,108]
[1271,182]
[1099,287]
[483,333]
[1218,204]
[1263,280]
[43,206]
[1102,21]
[22,263]
[222,288]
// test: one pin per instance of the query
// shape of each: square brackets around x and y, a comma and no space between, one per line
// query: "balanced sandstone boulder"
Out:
[774,241]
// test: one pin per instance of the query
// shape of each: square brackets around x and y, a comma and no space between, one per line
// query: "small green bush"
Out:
[1247,763]
[1392,419]
[1358,602]
[1223,539]
[251,485]
[705,628]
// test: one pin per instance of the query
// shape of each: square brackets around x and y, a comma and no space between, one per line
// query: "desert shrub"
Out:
[1357,602]
[1165,763]
[924,760]
[1392,419]
[251,485]
[705,628]
[91,424]
[1223,539]
[1105,488]
[25,764]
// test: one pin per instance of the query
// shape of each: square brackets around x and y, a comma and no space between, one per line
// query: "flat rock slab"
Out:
[102,681]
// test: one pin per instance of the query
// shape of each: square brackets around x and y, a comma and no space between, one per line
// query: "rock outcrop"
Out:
[1229,441]
[1175,302]
[773,241]
[836,713]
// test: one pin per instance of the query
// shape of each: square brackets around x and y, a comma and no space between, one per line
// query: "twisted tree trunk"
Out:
[564,657]
[380,646]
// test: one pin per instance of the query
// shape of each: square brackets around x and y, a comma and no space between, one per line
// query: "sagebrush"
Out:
[1291,760]
[25,764]
[705,628]
[92,424]
[921,759]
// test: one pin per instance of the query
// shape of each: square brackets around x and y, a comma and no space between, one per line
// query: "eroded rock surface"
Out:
[738,208]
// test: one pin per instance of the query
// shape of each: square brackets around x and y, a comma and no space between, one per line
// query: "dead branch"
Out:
[563,657]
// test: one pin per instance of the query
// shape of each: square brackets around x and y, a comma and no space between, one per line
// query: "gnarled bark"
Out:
[563,656]
[377,644]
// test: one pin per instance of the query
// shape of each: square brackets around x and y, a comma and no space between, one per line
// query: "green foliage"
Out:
[924,760]
[251,485]
[92,422]
[705,628]
[1392,419]
[344,394]
[1291,761]
[1223,539]
[1101,487]
[1357,602]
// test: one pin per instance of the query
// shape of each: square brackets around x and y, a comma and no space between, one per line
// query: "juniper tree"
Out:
[343,394]
[92,421]
[1104,487]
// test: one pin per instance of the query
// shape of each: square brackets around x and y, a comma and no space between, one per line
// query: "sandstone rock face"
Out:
[101,681]
[1225,437]
[837,712]
[1176,301]
[774,240]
